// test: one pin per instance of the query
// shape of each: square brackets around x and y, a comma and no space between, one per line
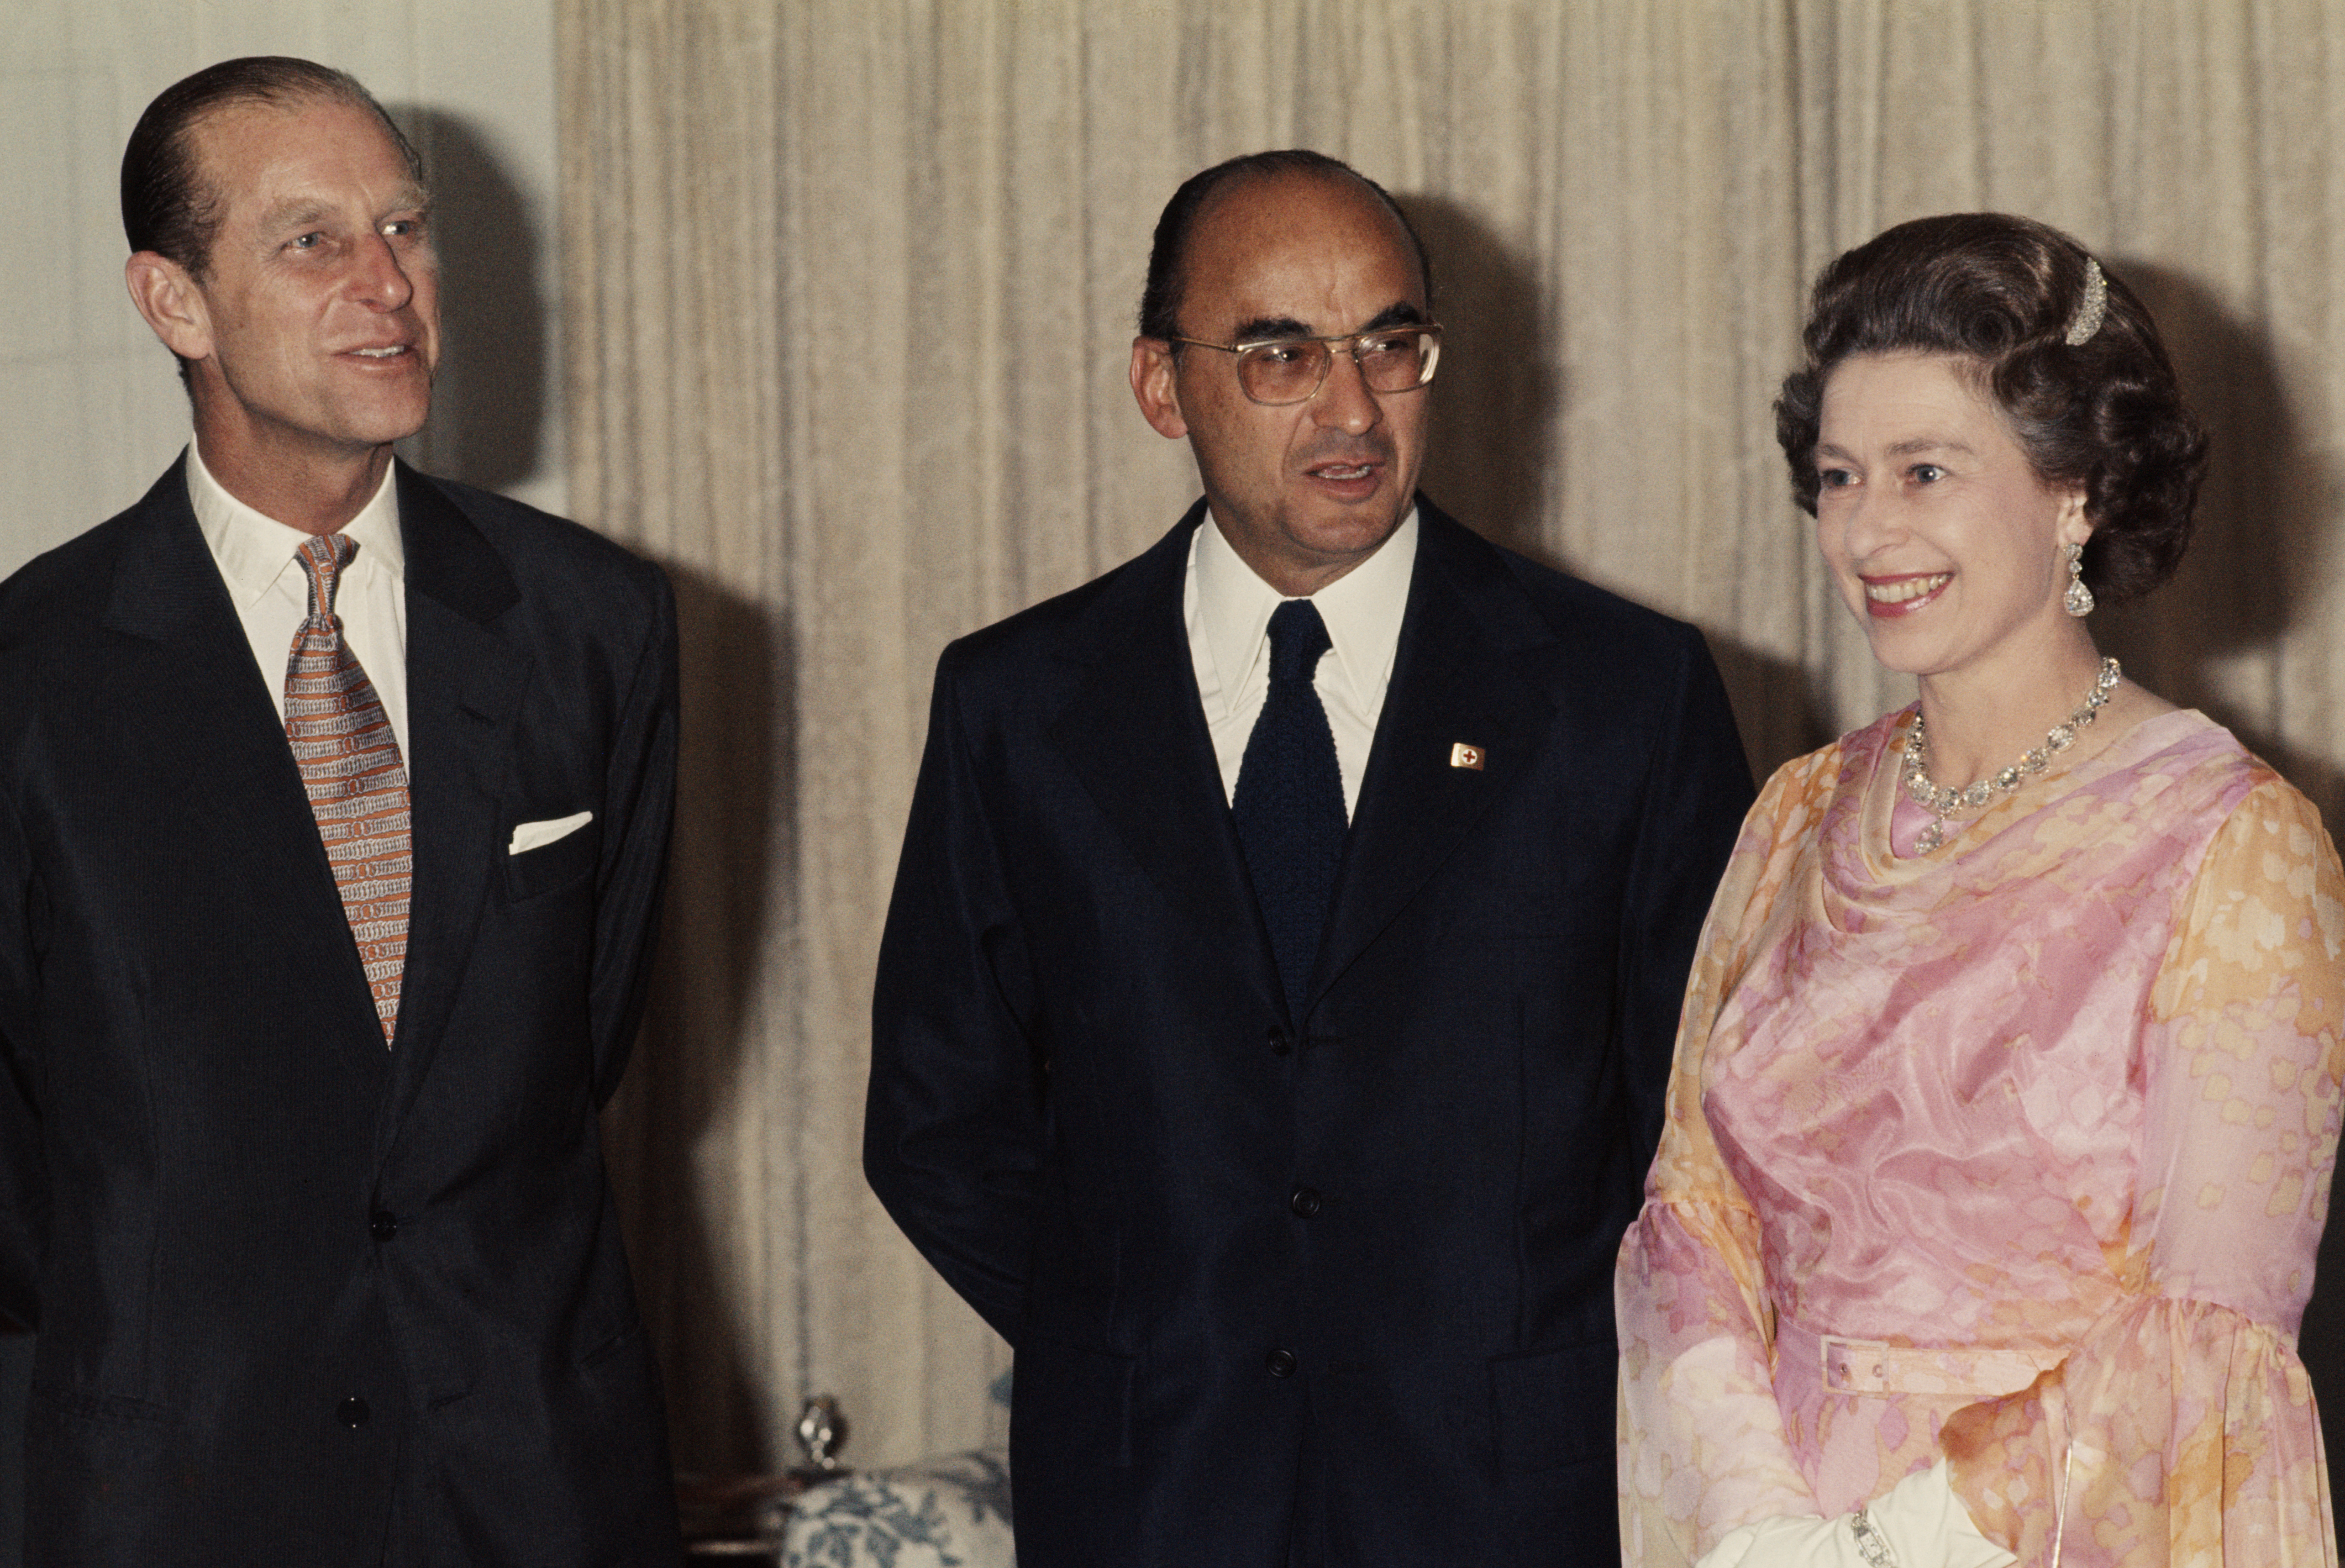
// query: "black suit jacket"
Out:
[302,1299]
[1344,1275]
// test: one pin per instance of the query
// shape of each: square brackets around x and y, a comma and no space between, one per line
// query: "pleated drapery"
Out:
[849,297]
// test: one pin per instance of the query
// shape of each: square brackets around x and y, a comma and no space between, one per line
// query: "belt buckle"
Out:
[1854,1366]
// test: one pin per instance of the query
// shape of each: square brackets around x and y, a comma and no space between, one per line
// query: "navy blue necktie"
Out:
[1289,803]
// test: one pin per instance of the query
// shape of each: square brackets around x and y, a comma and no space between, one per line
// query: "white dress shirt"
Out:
[1227,608]
[270,590]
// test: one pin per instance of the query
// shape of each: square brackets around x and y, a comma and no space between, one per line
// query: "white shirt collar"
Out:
[1362,610]
[254,549]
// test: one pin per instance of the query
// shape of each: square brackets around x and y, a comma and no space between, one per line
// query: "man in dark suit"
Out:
[303,1042]
[1276,1003]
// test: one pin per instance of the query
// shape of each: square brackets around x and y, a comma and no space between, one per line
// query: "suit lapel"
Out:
[464,684]
[1136,734]
[217,745]
[215,735]
[1456,678]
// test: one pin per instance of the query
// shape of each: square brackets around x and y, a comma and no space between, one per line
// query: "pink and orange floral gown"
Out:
[2064,1094]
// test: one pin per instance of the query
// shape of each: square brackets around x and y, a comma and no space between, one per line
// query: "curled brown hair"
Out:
[2106,415]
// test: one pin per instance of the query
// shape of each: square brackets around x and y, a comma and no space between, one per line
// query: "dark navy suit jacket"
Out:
[231,1210]
[1344,1276]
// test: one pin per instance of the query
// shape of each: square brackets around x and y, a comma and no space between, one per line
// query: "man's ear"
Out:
[1152,383]
[172,303]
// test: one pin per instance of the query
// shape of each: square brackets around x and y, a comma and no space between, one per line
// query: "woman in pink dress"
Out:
[2008,1086]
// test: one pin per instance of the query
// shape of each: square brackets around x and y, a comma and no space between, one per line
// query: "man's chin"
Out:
[1350,536]
[376,410]
[381,427]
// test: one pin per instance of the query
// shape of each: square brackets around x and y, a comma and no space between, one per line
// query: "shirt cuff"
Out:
[1921,1524]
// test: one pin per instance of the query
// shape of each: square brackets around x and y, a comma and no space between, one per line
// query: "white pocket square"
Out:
[537,835]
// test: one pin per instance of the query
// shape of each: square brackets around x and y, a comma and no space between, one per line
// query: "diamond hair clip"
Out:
[2091,308]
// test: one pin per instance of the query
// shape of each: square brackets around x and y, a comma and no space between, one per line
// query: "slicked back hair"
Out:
[1160,301]
[168,207]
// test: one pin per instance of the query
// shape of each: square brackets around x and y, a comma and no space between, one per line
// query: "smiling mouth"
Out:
[1903,590]
[392,353]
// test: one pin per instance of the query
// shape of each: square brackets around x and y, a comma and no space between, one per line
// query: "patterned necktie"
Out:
[1289,803]
[350,763]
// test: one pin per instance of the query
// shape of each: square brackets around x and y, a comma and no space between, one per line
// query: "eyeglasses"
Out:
[1277,371]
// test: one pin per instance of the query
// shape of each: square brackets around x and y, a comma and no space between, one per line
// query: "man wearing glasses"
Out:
[1278,992]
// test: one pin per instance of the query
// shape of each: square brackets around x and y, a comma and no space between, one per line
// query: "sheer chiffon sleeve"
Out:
[1702,1443]
[2181,1427]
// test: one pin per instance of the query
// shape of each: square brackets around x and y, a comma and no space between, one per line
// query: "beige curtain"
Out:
[849,292]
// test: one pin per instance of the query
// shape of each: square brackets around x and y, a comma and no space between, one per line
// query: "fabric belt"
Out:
[1847,1366]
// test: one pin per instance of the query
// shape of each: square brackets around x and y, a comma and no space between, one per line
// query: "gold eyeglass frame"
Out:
[1353,341]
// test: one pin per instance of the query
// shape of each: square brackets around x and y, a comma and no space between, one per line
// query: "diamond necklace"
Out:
[1943,799]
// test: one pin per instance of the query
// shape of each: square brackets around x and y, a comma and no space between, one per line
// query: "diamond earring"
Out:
[2079,600]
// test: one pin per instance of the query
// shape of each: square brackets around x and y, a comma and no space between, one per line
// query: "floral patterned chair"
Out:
[950,1512]
[947,1512]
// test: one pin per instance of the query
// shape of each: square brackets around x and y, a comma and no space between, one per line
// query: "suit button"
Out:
[1281,1363]
[1305,1202]
[382,1227]
[352,1412]
[1281,1043]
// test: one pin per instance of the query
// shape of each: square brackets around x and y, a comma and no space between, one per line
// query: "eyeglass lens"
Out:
[1292,371]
